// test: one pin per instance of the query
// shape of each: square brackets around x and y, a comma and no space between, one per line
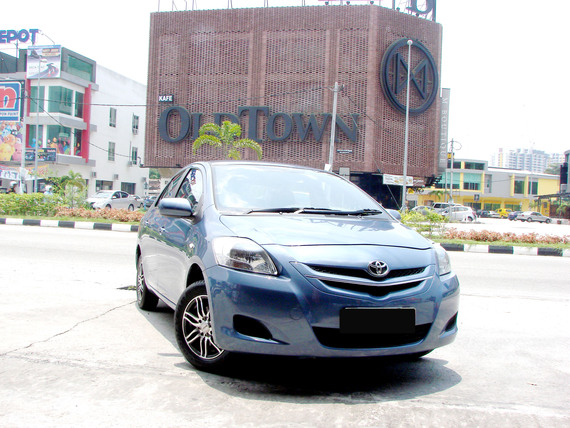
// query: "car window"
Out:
[192,187]
[170,189]
[248,188]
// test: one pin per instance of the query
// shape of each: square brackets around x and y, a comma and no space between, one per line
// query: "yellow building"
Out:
[481,187]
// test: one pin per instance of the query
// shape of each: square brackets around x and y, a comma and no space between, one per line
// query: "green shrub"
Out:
[32,204]
[428,224]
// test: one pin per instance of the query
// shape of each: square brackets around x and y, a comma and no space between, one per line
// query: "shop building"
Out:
[87,119]
[473,183]
[273,71]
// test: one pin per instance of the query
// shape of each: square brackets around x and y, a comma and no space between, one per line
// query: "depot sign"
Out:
[294,125]
[23,36]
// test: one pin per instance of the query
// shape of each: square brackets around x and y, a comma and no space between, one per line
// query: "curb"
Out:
[499,249]
[116,227]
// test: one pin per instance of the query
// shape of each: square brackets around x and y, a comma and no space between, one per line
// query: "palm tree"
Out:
[225,136]
[438,194]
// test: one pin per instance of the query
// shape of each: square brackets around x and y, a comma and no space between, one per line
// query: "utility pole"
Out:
[333,126]
[403,208]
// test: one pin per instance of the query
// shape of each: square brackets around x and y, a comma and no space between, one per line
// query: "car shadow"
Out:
[338,380]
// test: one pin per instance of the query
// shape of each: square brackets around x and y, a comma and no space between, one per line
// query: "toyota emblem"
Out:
[378,269]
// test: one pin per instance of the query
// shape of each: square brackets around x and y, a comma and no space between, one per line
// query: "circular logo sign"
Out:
[424,80]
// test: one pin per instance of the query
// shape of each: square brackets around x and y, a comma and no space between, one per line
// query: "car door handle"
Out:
[162,229]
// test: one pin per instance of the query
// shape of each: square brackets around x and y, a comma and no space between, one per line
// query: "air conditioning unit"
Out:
[115,177]
[93,174]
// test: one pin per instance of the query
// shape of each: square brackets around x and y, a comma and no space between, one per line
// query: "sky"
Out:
[505,61]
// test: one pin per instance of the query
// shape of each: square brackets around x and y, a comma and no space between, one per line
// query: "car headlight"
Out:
[242,254]
[443,262]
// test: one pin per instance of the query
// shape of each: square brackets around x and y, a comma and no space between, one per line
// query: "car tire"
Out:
[529,220]
[548,220]
[108,206]
[131,207]
[469,219]
[146,299]
[193,330]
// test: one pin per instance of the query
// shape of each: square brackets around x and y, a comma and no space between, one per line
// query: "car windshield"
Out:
[102,195]
[251,188]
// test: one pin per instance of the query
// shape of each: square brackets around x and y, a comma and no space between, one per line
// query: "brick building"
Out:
[273,70]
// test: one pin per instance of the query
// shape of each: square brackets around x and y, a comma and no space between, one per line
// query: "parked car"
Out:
[148,201]
[504,212]
[493,214]
[275,259]
[513,215]
[139,200]
[113,199]
[459,213]
[533,216]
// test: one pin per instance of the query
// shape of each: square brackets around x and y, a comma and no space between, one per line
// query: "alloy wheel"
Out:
[197,329]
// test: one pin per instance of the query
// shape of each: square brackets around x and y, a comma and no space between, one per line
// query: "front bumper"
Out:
[298,312]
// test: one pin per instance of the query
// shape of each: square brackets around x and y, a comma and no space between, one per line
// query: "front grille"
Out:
[332,338]
[373,290]
[363,273]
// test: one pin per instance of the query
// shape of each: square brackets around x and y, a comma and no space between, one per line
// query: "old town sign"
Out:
[294,125]
[424,81]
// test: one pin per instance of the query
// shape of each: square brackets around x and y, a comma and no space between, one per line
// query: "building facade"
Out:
[526,159]
[84,118]
[273,71]
[473,183]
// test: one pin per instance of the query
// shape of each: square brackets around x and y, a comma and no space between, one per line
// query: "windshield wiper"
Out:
[274,210]
[366,211]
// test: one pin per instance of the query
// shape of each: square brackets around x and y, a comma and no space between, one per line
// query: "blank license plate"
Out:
[377,320]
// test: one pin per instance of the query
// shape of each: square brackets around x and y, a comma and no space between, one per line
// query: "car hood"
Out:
[303,229]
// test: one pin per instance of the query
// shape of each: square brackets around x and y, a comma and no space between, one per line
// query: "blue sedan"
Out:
[282,260]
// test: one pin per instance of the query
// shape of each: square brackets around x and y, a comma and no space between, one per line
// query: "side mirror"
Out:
[175,207]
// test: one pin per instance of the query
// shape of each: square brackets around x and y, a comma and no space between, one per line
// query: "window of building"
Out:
[134,155]
[35,102]
[519,186]
[491,207]
[456,164]
[113,117]
[103,185]
[471,181]
[80,68]
[59,138]
[128,187]
[78,140]
[533,187]
[111,152]
[78,104]
[60,100]
[446,180]
[475,165]
[32,135]
[135,124]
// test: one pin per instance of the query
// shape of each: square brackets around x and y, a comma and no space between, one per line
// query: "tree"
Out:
[553,169]
[70,188]
[438,194]
[226,137]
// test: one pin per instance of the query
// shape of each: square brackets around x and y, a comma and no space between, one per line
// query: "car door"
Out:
[180,238]
[152,242]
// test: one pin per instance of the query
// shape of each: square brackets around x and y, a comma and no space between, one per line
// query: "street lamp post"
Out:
[403,208]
